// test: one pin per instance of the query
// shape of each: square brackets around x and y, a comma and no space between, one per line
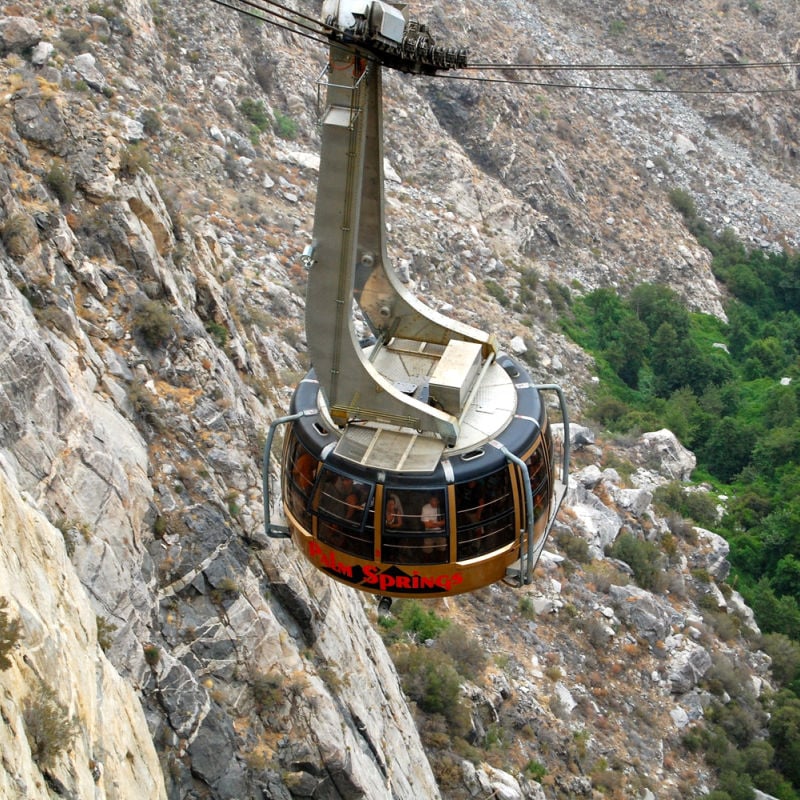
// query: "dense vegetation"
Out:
[730,393]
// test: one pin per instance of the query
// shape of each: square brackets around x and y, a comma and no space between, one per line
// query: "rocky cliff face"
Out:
[72,725]
[151,328]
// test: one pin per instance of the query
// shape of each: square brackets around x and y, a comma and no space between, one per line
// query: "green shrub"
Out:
[698,506]
[105,633]
[134,159]
[152,655]
[160,526]
[574,547]
[219,333]
[10,634]
[559,294]
[151,122]
[143,403]
[48,726]
[59,180]
[268,689]
[255,113]
[785,655]
[526,607]
[683,203]
[423,624]
[466,652]
[644,558]
[73,40]
[19,235]
[535,771]
[528,282]
[284,126]
[497,291]
[153,321]
[431,680]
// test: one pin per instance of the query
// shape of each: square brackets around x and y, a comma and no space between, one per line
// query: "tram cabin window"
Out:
[485,515]
[539,472]
[414,527]
[345,514]
[302,474]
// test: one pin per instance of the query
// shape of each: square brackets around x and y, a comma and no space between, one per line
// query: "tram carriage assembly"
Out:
[419,463]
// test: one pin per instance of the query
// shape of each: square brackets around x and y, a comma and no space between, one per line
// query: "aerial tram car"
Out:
[420,462]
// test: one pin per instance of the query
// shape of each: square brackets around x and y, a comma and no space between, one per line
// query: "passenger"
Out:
[350,497]
[394,512]
[304,472]
[431,516]
[473,500]
[432,550]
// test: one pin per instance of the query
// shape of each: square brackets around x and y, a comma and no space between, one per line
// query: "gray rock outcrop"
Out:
[69,717]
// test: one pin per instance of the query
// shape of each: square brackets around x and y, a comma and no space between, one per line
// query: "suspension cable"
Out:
[602,88]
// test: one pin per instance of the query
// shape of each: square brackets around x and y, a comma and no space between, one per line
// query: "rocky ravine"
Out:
[151,327]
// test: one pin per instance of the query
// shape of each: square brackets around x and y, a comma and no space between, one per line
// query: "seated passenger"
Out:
[348,497]
[303,471]
[431,516]
[433,550]
[394,512]
[473,501]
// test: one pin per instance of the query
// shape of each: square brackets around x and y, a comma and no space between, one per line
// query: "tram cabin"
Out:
[415,531]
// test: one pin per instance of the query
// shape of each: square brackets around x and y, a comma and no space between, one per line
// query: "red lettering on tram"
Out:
[392,579]
[327,559]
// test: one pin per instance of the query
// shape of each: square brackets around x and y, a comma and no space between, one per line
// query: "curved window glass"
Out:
[485,515]
[300,474]
[414,527]
[345,514]
[538,464]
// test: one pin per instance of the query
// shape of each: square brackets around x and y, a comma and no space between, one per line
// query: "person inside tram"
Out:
[303,471]
[394,512]
[432,549]
[349,497]
[431,516]
[473,501]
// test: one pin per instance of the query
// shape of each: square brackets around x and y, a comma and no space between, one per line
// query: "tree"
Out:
[728,448]
[655,304]
[667,360]
[780,408]
[745,284]
[774,614]
[625,351]
[619,335]
[784,735]
[644,558]
[785,655]
[682,415]
[764,358]
[747,554]
[743,327]
[786,579]
[776,447]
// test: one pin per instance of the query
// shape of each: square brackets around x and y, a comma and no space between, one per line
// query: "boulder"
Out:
[647,615]
[18,34]
[687,665]
[661,452]
[86,66]
[711,554]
